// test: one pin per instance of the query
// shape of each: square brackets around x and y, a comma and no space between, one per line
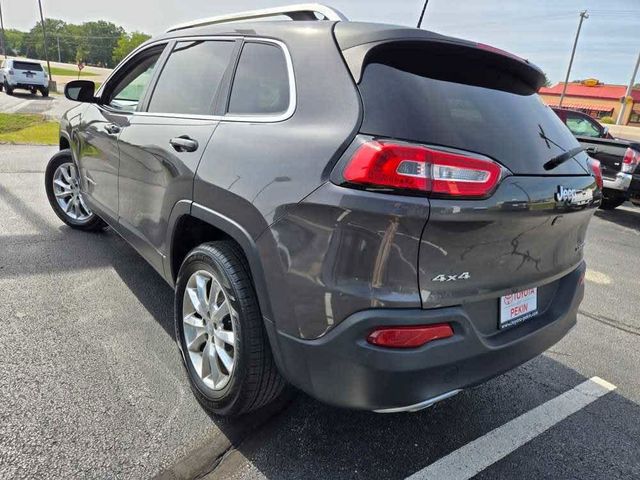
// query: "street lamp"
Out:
[44,35]
[583,15]
[424,9]
[2,40]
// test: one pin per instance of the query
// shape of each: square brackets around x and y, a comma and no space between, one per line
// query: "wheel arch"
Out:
[64,142]
[192,224]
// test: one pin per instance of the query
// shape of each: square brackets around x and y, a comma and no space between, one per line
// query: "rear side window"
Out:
[191,77]
[582,126]
[34,67]
[261,83]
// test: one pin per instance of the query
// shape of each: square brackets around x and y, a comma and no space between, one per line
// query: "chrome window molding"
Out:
[247,118]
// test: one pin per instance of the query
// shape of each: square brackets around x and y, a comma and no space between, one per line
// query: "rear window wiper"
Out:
[563,157]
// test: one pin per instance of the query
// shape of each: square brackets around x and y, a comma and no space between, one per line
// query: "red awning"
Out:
[583,106]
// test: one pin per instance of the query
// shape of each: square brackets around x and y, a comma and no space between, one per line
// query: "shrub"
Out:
[609,120]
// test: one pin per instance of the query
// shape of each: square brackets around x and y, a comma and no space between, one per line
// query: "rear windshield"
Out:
[36,67]
[516,129]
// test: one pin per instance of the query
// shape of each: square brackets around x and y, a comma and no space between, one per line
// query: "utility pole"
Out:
[424,9]
[583,15]
[4,48]
[44,35]
[623,101]
[59,57]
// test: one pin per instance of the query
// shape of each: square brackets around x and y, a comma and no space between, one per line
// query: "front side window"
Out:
[261,84]
[582,126]
[127,93]
[191,77]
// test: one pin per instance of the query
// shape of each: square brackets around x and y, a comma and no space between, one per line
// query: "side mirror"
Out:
[605,133]
[80,91]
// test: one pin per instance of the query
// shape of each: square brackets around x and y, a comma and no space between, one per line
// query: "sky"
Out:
[539,30]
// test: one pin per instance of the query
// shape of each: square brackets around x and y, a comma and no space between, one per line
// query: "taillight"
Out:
[596,170]
[409,336]
[630,160]
[382,164]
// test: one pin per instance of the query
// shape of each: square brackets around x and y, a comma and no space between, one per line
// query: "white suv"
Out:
[23,74]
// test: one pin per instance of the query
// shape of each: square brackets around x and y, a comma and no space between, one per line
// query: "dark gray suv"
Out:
[378,215]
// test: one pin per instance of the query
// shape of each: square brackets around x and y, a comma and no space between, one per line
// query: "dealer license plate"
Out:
[518,307]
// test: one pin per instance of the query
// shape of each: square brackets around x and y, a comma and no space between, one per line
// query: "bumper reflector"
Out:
[409,336]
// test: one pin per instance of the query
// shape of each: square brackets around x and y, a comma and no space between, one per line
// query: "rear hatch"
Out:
[29,73]
[530,230]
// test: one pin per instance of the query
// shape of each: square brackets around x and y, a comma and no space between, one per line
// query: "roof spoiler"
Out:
[360,44]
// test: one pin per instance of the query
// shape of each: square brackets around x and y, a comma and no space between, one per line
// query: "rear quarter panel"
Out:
[256,173]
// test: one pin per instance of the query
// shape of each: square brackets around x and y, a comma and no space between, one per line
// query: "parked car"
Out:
[24,75]
[620,159]
[378,215]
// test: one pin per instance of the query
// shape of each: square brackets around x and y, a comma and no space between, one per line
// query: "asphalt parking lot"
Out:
[91,385]
[22,101]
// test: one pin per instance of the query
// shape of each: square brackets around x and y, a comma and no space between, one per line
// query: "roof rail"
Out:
[303,11]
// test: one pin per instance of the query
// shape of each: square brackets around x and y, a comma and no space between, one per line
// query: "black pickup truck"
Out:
[619,159]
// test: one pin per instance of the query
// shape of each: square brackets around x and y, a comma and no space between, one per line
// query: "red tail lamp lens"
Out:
[630,160]
[597,171]
[409,336]
[414,167]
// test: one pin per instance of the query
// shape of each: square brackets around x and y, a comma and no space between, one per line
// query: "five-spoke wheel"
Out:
[66,188]
[62,184]
[209,329]
[220,331]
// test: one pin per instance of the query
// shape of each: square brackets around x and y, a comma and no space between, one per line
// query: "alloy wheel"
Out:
[209,326]
[66,188]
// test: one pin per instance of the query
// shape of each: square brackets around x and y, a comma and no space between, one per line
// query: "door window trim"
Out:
[227,83]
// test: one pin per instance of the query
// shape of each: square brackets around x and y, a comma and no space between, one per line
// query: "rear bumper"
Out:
[621,182]
[634,188]
[26,84]
[342,369]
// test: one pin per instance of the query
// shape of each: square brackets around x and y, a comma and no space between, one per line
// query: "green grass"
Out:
[70,72]
[28,129]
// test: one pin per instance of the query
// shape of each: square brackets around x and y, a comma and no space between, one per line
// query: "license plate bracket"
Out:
[518,307]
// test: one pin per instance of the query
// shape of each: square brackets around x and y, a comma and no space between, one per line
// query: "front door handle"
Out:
[592,150]
[112,128]
[184,144]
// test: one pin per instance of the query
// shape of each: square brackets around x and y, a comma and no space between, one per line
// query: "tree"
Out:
[81,54]
[547,82]
[127,43]
[93,42]
[14,42]
[100,38]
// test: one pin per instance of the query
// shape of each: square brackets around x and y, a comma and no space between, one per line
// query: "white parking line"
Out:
[474,457]
[14,108]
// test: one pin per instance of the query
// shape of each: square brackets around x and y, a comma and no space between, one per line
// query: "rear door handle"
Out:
[592,150]
[184,144]
[112,128]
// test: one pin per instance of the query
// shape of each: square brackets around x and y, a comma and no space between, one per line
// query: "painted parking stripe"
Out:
[474,457]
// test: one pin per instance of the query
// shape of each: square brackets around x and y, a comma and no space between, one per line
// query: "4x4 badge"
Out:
[451,278]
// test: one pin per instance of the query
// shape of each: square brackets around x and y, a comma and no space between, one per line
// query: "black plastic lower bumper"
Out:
[342,369]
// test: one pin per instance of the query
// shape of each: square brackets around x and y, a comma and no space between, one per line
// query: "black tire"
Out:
[8,89]
[93,223]
[255,380]
[611,202]
[1,86]
[44,91]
